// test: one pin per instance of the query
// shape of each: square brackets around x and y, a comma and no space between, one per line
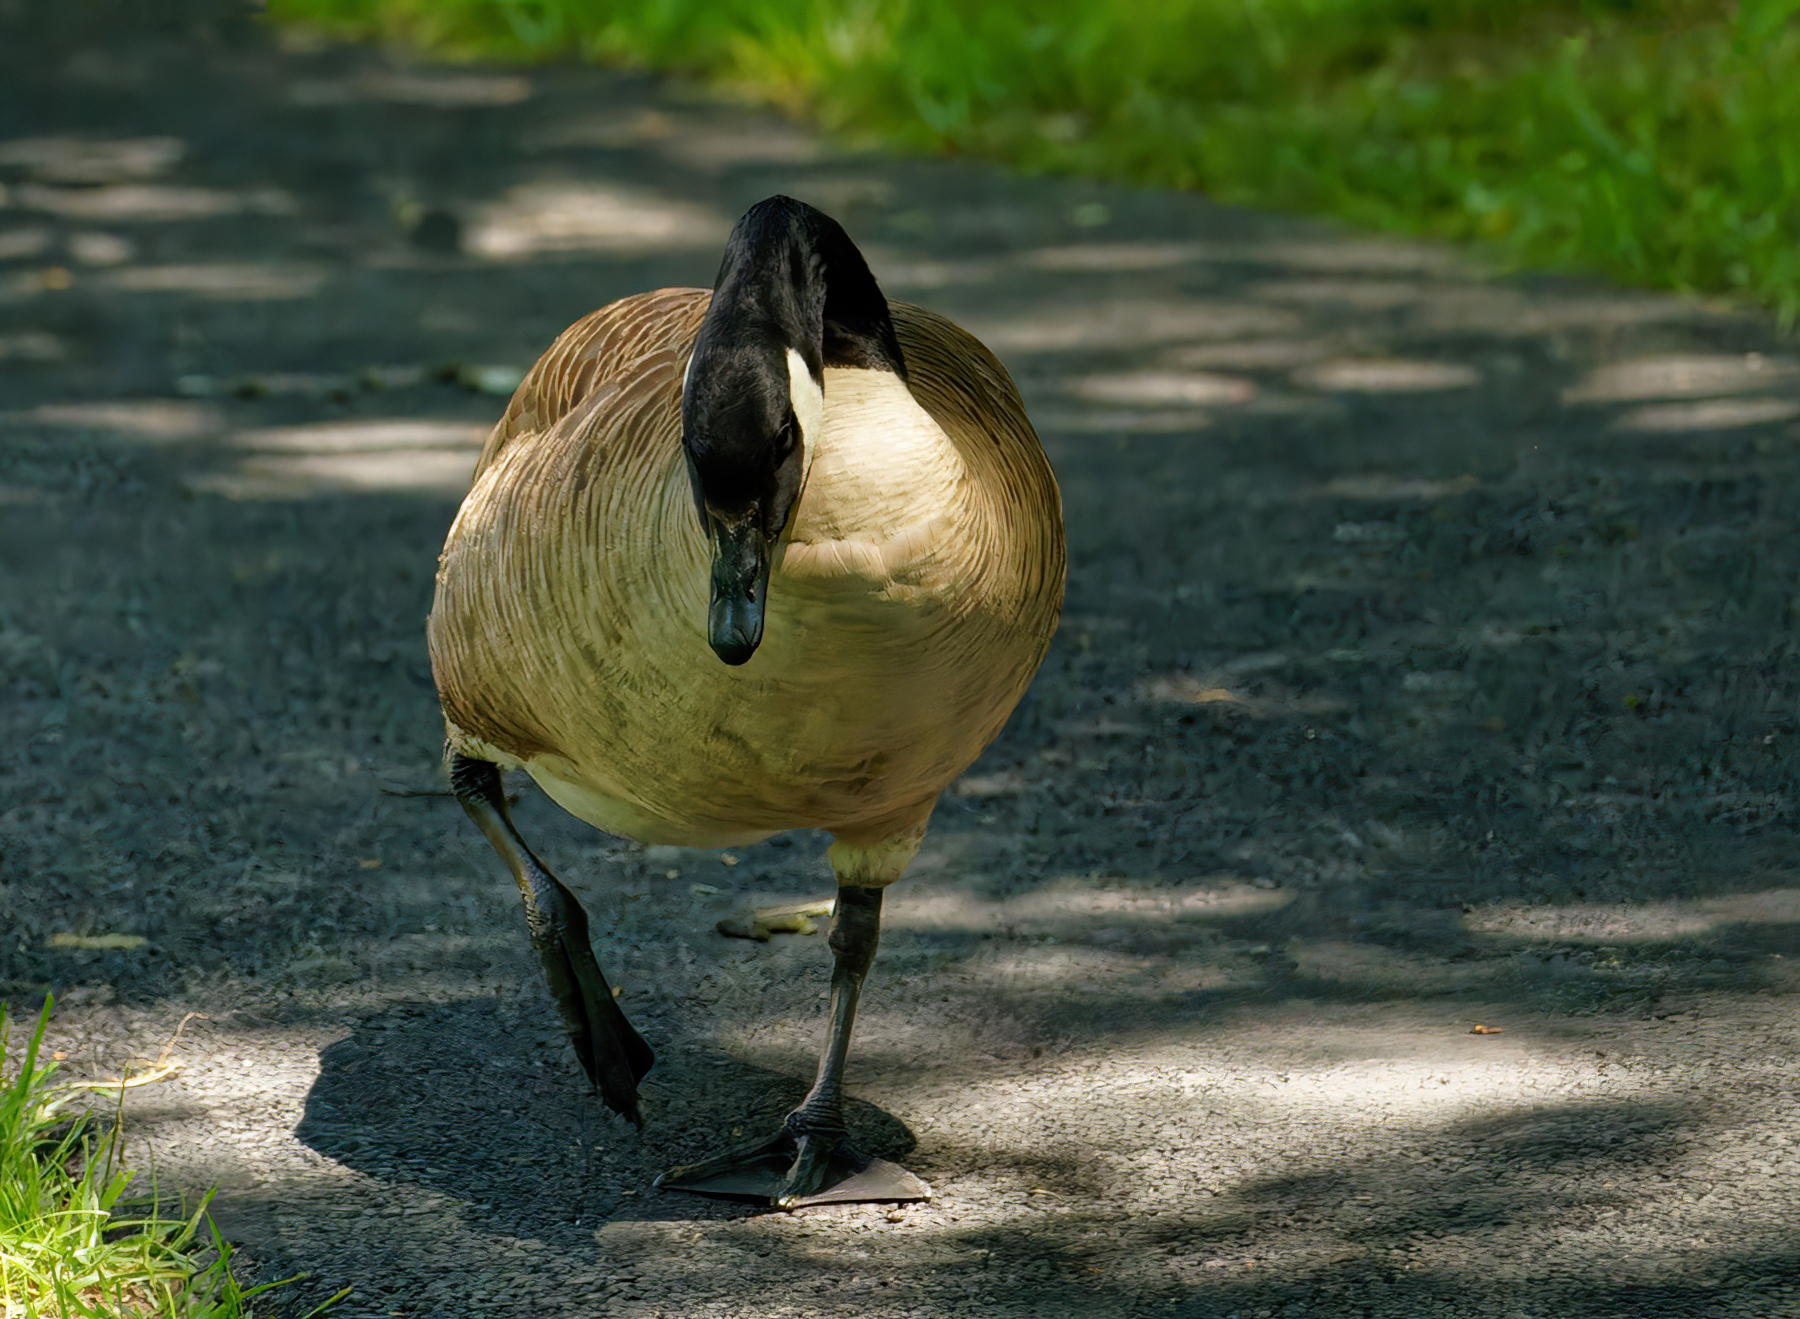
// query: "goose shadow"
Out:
[458,1098]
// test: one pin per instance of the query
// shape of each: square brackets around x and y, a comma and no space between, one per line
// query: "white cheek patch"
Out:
[807,397]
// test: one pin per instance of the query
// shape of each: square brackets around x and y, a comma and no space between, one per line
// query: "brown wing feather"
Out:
[600,348]
[594,407]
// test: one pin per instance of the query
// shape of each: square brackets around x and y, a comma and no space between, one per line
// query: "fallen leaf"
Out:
[789,918]
[817,907]
[1480,1029]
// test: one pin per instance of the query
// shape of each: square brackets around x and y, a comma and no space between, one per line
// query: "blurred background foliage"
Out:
[1655,141]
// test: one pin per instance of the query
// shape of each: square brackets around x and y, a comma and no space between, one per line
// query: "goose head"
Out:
[792,297]
[745,441]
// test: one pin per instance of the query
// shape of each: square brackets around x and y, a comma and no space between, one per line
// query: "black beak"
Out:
[740,590]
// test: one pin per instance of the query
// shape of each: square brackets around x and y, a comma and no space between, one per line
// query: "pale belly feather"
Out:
[881,675]
[738,754]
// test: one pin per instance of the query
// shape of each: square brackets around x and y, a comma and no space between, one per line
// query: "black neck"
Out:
[791,270]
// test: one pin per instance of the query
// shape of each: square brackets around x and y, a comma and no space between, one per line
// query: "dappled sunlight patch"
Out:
[1341,1084]
[268,384]
[628,126]
[1386,376]
[156,419]
[446,88]
[1224,1172]
[1134,323]
[290,462]
[1249,355]
[1114,257]
[93,248]
[1069,960]
[22,244]
[1161,388]
[150,202]
[1194,1171]
[31,346]
[1352,256]
[1519,313]
[432,472]
[1709,414]
[1683,375]
[67,158]
[1006,783]
[1081,904]
[574,216]
[1119,421]
[901,274]
[717,146]
[364,437]
[248,281]
[1465,1078]
[1648,922]
[442,89]
[1361,294]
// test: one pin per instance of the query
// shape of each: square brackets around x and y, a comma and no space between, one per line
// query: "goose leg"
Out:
[613,1054]
[809,1159]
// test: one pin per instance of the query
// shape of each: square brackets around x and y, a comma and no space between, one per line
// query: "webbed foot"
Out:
[793,1168]
[610,1050]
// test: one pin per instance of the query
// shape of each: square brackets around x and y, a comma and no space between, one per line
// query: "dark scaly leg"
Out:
[614,1055]
[809,1159]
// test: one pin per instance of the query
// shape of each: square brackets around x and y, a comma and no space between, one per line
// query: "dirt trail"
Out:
[1428,664]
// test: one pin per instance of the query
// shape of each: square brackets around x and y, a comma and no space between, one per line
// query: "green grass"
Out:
[1656,141]
[72,1245]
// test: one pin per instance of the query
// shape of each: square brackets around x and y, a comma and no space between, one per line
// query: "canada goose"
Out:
[779,556]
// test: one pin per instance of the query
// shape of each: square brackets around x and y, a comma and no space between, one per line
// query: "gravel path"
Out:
[1384,904]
